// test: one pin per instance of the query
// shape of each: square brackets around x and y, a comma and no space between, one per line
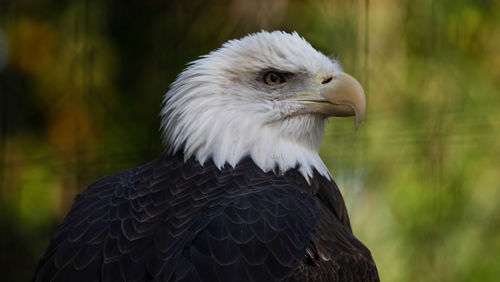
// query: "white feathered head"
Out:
[267,96]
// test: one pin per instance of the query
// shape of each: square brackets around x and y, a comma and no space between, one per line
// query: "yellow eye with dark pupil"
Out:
[273,78]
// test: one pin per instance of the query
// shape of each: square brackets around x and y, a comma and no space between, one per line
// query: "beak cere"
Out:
[342,97]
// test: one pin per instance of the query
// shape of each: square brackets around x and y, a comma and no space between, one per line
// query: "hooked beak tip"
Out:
[346,98]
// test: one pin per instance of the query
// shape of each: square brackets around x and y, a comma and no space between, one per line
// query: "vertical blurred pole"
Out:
[83,99]
[71,157]
[366,46]
[77,99]
[77,74]
[366,71]
[440,188]
[88,61]
[363,52]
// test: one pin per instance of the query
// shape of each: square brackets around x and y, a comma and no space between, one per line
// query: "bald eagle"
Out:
[240,193]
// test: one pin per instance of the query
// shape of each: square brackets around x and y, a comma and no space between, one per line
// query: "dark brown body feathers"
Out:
[170,220]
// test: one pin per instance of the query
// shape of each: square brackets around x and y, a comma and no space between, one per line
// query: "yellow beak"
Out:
[342,96]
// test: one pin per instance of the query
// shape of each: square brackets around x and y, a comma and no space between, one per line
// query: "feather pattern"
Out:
[171,220]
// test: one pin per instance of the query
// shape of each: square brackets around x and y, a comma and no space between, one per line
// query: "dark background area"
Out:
[81,86]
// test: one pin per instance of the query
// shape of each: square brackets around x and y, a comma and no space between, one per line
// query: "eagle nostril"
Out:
[327,80]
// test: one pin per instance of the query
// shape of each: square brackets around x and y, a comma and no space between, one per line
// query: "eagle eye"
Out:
[273,78]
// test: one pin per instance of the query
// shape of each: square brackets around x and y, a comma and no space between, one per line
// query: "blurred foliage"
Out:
[81,85]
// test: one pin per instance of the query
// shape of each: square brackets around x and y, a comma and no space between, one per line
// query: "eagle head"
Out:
[266,96]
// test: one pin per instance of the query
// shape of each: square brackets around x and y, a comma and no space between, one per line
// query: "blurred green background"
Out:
[81,84]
